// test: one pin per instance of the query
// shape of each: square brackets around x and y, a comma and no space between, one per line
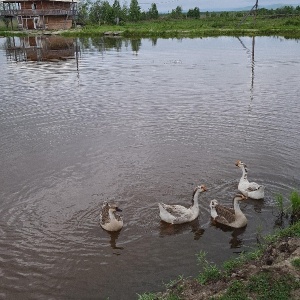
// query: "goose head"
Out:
[113,208]
[202,188]
[239,197]
[213,204]
[240,164]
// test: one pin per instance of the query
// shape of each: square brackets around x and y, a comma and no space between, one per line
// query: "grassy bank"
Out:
[288,27]
[270,272]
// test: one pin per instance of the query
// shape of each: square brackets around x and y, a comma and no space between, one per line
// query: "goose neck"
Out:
[244,176]
[111,215]
[236,205]
[195,199]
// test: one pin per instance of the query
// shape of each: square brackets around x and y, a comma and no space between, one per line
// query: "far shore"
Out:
[288,27]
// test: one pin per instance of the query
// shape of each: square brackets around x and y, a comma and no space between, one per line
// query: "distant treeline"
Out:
[101,12]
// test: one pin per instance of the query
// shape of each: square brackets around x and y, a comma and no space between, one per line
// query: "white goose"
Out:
[232,217]
[109,219]
[178,214]
[249,189]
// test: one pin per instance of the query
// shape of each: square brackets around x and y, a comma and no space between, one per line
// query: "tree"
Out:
[177,13]
[134,11]
[194,13]
[83,11]
[101,12]
[117,11]
[153,12]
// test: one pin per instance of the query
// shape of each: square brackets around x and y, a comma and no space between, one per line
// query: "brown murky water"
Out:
[136,122]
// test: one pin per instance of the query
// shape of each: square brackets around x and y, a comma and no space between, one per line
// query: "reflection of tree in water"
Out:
[113,239]
[136,45]
[166,229]
[106,43]
[235,241]
[84,42]
[154,41]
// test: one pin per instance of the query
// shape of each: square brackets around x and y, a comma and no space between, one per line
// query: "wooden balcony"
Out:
[37,12]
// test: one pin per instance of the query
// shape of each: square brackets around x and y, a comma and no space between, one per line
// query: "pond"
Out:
[137,122]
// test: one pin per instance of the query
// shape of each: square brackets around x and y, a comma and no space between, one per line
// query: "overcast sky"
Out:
[204,5]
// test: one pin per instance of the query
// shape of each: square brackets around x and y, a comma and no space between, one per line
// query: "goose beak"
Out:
[118,209]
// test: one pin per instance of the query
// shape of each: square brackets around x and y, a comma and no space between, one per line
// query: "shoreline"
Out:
[272,271]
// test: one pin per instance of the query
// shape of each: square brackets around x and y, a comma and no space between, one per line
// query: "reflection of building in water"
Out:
[40,48]
[43,14]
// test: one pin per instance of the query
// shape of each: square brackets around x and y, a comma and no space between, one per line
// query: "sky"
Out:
[207,5]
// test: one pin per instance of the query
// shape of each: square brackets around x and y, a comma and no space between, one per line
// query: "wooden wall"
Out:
[49,22]
[46,5]
[58,22]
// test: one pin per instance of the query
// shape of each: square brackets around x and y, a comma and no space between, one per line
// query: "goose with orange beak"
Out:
[178,214]
[232,217]
[249,189]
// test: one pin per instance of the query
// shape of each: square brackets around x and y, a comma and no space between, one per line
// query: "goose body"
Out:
[109,219]
[249,189]
[178,214]
[232,217]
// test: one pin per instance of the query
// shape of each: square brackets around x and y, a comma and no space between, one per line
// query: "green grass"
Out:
[204,27]
[151,296]
[285,26]
[293,230]
[236,291]
[261,286]
[295,202]
[171,284]
[292,210]
[147,296]
[210,272]
[266,287]
[279,203]
[296,263]
[243,258]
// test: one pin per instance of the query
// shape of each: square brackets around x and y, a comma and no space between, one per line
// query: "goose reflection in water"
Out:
[113,240]
[166,229]
[235,241]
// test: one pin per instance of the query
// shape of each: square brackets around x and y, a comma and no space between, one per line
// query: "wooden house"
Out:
[43,14]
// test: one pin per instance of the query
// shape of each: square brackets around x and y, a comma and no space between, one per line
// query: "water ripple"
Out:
[138,127]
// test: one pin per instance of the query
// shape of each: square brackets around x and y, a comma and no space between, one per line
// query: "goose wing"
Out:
[229,209]
[253,186]
[175,214]
[104,214]
[225,214]
[175,210]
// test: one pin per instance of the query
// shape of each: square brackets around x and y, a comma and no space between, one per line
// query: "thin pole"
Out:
[255,6]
